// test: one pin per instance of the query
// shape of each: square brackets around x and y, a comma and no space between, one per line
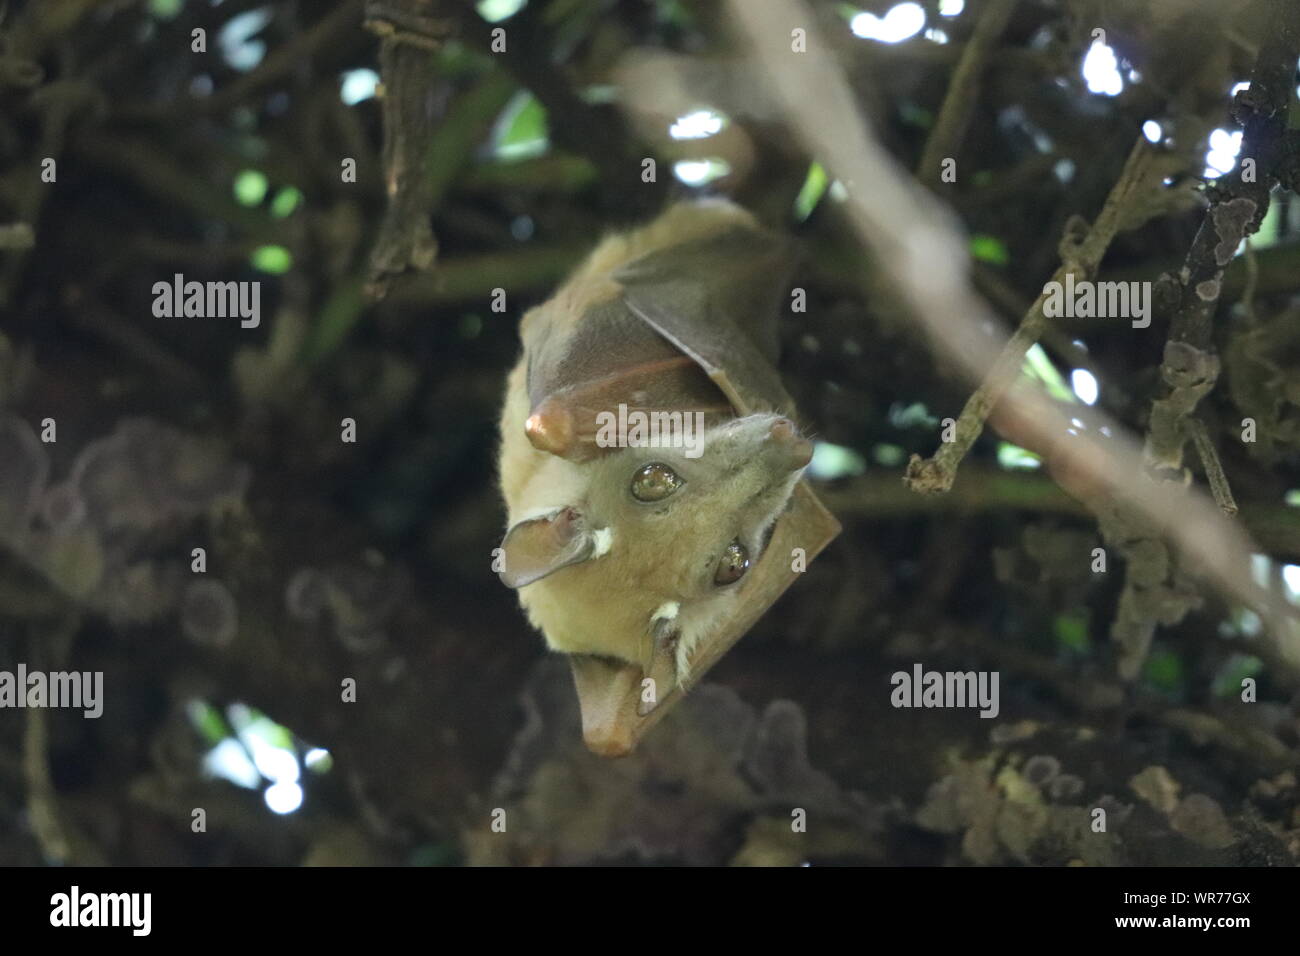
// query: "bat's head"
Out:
[686,526]
[650,554]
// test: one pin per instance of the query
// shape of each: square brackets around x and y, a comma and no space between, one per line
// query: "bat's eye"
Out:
[655,482]
[733,565]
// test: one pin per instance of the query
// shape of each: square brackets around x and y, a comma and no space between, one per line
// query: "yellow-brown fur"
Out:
[656,558]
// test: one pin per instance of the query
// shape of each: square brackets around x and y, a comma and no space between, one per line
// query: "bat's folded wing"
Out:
[725,322]
[580,375]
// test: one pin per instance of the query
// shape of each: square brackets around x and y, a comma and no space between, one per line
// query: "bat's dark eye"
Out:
[734,564]
[654,482]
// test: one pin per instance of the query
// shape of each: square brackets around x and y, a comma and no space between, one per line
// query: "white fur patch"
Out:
[685,648]
[667,611]
[602,540]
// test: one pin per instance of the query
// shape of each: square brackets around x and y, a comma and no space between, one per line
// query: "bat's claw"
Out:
[550,428]
[662,671]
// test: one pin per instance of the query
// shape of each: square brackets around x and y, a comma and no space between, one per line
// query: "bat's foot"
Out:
[663,669]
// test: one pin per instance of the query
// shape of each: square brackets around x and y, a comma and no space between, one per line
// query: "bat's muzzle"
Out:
[607,691]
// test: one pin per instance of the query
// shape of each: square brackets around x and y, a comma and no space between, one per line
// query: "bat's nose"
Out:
[795,450]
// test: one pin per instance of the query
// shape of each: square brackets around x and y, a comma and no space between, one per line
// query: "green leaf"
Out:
[285,202]
[207,720]
[1014,457]
[989,249]
[522,132]
[275,260]
[471,119]
[250,187]
[1039,366]
[915,415]
[1164,671]
[1236,669]
[165,9]
[1072,631]
[1270,229]
[341,312]
[891,456]
[810,194]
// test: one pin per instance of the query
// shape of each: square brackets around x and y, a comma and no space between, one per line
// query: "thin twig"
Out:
[48,651]
[405,239]
[1213,467]
[1252,281]
[1190,368]
[1158,587]
[325,31]
[917,241]
[936,474]
[963,91]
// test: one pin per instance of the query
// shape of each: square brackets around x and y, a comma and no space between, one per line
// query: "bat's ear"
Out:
[535,547]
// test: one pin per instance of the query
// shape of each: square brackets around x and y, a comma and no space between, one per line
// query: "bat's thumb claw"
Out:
[550,428]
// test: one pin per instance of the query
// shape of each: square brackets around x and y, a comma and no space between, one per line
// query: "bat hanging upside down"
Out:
[645,558]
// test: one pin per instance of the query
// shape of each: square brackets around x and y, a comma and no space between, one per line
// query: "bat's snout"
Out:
[607,694]
[794,450]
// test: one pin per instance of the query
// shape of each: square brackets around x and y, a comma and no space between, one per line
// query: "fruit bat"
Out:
[644,555]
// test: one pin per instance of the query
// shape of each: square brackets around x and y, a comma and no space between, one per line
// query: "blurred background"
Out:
[133,148]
